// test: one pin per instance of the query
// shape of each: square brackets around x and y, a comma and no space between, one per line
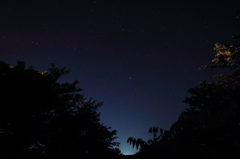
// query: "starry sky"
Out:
[139,57]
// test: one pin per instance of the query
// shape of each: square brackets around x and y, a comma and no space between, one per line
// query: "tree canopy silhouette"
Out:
[41,117]
[211,124]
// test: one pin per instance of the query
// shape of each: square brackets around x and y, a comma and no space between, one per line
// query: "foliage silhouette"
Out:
[139,143]
[211,124]
[41,117]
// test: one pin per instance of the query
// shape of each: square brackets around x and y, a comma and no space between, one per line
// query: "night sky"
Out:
[139,57]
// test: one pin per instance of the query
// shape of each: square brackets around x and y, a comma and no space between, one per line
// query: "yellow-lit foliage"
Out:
[44,73]
[226,55]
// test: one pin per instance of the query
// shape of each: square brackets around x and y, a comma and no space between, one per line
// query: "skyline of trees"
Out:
[211,124]
[41,117]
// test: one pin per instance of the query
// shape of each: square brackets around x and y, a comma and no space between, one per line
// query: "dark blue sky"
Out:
[139,57]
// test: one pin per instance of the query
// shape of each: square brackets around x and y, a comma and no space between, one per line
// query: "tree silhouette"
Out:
[212,119]
[211,123]
[139,143]
[41,117]
[143,145]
